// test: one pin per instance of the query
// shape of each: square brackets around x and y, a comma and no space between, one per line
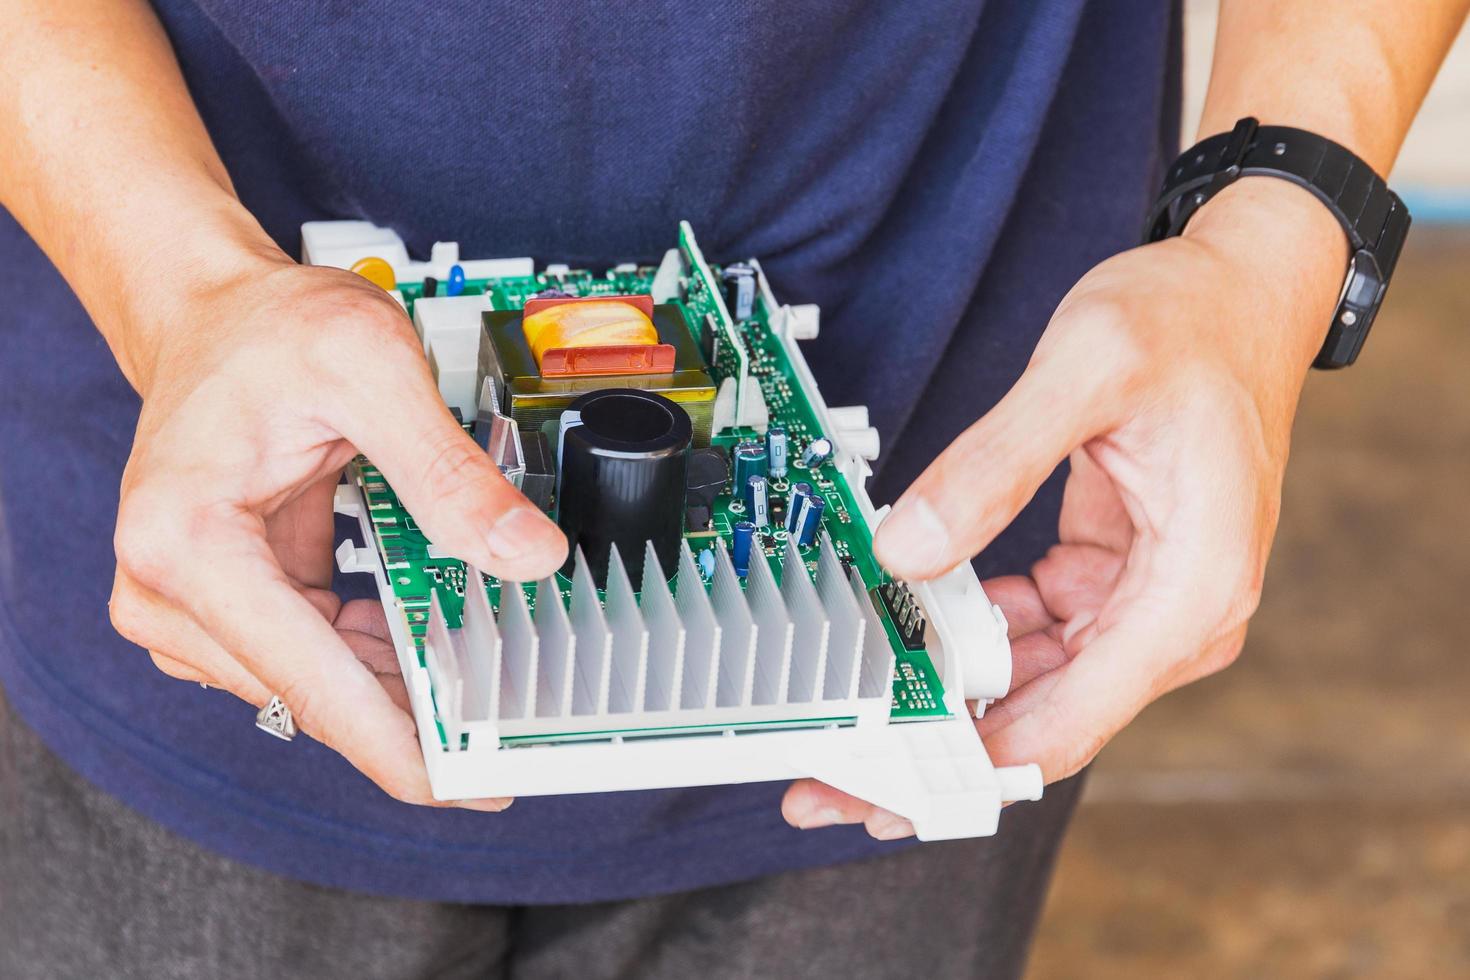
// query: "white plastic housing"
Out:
[711,664]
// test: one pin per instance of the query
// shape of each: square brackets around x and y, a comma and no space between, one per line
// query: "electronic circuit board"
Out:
[917,689]
[892,660]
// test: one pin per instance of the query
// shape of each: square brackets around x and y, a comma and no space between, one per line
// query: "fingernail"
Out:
[521,531]
[495,805]
[912,539]
[891,827]
[824,817]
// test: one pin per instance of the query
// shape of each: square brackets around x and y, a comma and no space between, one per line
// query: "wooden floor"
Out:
[1307,812]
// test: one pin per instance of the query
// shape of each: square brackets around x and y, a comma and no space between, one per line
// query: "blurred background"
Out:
[1306,813]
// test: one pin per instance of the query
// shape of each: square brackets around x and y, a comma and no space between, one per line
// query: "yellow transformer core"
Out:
[533,398]
[595,323]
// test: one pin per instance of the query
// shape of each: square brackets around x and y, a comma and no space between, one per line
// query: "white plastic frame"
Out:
[936,773]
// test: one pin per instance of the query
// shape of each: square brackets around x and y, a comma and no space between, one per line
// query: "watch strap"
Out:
[1373,216]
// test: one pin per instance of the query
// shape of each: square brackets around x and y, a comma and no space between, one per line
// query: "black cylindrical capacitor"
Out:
[623,460]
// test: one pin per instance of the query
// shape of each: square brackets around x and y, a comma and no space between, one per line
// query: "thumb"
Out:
[452,488]
[977,486]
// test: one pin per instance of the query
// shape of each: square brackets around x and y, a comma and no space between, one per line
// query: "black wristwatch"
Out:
[1373,216]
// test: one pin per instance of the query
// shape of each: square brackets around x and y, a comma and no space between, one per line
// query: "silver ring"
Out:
[275,719]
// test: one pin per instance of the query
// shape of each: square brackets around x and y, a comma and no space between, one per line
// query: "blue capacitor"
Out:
[776,451]
[454,285]
[707,563]
[818,451]
[740,552]
[809,520]
[750,460]
[757,501]
[799,493]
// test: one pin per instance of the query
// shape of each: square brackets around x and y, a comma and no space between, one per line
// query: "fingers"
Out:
[146,619]
[1062,718]
[1031,627]
[1035,654]
[177,669]
[451,486]
[279,637]
[1075,581]
[214,566]
[1159,626]
[810,804]
[1093,511]
[978,485]
[178,646]
[1019,599]
[364,616]
[301,534]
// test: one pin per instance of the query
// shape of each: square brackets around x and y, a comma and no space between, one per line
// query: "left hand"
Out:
[1169,377]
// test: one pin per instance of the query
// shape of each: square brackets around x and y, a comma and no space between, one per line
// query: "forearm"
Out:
[1352,72]
[108,165]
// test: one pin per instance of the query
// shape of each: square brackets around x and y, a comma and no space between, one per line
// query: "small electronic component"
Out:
[622,479]
[709,472]
[794,502]
[376,271]
[757,500]
[739,280]
[776,450]
[904,610]
[431,287]
[742,541]
[750,460]
[817,452]
[455,283]
[807,520]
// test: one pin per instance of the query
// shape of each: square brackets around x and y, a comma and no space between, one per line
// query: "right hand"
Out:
[256,393]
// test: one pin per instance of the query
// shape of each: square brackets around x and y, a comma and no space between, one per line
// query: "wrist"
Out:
[165,294]
[1290,254]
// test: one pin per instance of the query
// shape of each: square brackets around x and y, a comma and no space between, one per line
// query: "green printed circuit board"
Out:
[746,347]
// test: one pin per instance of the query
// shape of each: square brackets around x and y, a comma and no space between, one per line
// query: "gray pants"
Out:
[90,889]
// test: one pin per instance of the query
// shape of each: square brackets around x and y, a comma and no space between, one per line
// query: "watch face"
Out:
[1362,294]
[1360,289]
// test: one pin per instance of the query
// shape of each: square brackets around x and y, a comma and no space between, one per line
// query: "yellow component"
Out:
[599,323]
[376,271]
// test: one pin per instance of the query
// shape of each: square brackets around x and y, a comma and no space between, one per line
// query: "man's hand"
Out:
[1168,377]
[256,392]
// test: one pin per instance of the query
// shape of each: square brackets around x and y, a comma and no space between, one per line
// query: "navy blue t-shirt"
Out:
[935,174]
